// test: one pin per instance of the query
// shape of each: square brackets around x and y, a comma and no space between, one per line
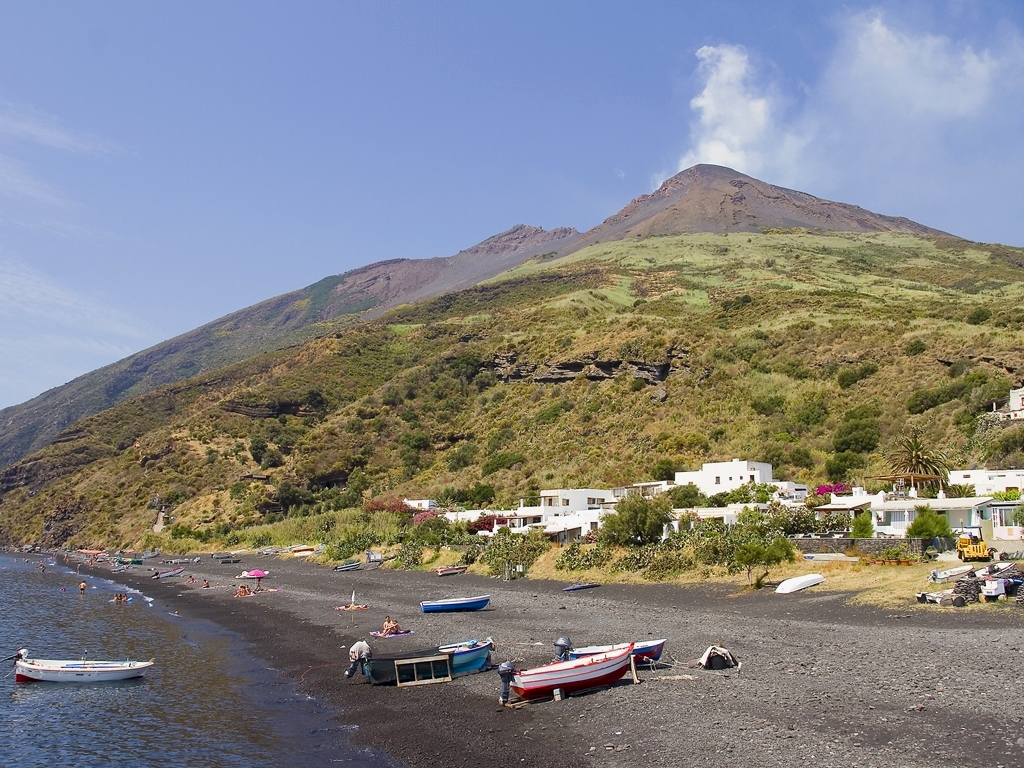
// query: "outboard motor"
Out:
[562,647]
[506,671]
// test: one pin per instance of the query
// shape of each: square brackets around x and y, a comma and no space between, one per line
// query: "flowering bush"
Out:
[484,523]
[825,490]
[387,505]
[421,517]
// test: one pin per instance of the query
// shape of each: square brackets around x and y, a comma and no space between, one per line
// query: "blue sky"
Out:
[163,164]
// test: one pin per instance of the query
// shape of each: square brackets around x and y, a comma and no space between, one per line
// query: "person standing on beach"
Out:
[81,588]
[357,654]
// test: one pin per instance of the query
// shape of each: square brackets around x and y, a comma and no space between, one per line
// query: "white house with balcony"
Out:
[894,512]
[723,476]
[989,481]
[1015,408]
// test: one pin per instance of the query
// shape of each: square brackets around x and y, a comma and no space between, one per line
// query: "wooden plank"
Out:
[424,670]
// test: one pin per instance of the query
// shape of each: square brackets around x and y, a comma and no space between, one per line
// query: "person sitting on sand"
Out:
[242,591]
[206,584]
[389,627]
[191,579]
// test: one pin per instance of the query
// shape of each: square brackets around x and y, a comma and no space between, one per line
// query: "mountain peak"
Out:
[713,198]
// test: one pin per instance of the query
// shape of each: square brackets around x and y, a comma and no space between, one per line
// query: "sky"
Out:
[164,164]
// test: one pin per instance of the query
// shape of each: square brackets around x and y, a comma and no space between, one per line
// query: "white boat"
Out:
[831,557]
[949,575]
[799,582]
[81,671]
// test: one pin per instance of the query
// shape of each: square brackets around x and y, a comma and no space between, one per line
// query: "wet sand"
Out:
[822,683]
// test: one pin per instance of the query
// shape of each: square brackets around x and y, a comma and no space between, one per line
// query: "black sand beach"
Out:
[822,683]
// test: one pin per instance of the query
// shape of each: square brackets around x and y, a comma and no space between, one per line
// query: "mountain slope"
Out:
[278,322]
[813,351]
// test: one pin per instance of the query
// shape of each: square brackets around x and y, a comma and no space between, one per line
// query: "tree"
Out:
[686,496]
[928,524]
[753,555]
[911,455]
[637,521]
[863,526]
[961,491]
[664,470]
[257,447]
[839,466]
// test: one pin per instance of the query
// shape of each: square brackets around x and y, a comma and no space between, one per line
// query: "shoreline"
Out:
[820,677]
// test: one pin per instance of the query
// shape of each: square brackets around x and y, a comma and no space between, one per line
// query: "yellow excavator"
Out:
[970,545]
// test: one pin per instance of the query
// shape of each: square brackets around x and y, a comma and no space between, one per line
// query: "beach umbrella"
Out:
[256,573]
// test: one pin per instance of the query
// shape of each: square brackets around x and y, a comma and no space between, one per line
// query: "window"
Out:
[751,478]
[718,481]
[565,502]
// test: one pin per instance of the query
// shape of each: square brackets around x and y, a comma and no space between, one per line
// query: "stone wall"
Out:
[869,546]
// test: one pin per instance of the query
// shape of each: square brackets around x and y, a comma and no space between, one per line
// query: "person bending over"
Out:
[358,654]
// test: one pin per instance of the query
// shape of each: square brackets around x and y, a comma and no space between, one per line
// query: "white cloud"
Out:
[17,181]
[907,76]
[885,100]
[29,124]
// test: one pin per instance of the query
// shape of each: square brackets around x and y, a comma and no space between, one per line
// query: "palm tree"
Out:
[912,456]
[961,491]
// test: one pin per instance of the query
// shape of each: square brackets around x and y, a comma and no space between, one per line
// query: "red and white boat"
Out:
[644,650]
[450,570]
[575,675]
[80,671]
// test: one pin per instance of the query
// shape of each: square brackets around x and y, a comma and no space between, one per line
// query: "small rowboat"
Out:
[645,650]
[455,604]
[948,575]
[574,675]
[168,574]
[799,582]
[450,570]
[468,656]
[348,565]
[580,585]
[81,671]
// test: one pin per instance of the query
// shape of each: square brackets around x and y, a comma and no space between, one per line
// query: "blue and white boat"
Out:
[455,604]
[644,650]
[468,656]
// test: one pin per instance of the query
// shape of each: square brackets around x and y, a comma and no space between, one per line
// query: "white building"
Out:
[989,481]
[723,476]
[1016,405]
[565,501]
[420,503]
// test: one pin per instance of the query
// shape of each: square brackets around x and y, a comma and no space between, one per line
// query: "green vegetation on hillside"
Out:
[814,352]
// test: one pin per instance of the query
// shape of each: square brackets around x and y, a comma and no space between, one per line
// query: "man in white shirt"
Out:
[357,654]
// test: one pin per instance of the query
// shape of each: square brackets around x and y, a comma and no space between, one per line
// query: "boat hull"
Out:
[455,604]
[450,570]
[799,582]
[646,650]
[170,573]
[571,676]
[54,671]
[381,669]
[468,657]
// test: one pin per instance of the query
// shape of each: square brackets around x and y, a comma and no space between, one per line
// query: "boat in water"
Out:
[571,676]
[797,583]
[455,604]
[81,671]
[645,650]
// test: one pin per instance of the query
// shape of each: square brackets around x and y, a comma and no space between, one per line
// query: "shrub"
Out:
[767,406]
[756,555]
[508,550]
[685,496]
[851,374]
[863,526]
[812,412]
[502,460]
[928,525]
[272,458]
[552,412]
[575,558]
[257,447]
[666,563]
[664,470]
[801,457]
[915,347]
[410,555]
[978,315]
[460,456]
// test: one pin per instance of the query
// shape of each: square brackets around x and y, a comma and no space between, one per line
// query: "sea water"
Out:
[207,701]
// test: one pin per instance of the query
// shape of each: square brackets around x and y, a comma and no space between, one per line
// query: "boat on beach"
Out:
[81,671]
[450,570]
[573,675]
[645,650]
[455,604]
[468,656]
[797,583]
[580,585]
[167,574]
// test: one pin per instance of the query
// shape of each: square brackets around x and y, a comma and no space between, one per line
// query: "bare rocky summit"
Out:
[710,198]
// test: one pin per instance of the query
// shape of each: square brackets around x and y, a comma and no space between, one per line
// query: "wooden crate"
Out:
[424,670]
